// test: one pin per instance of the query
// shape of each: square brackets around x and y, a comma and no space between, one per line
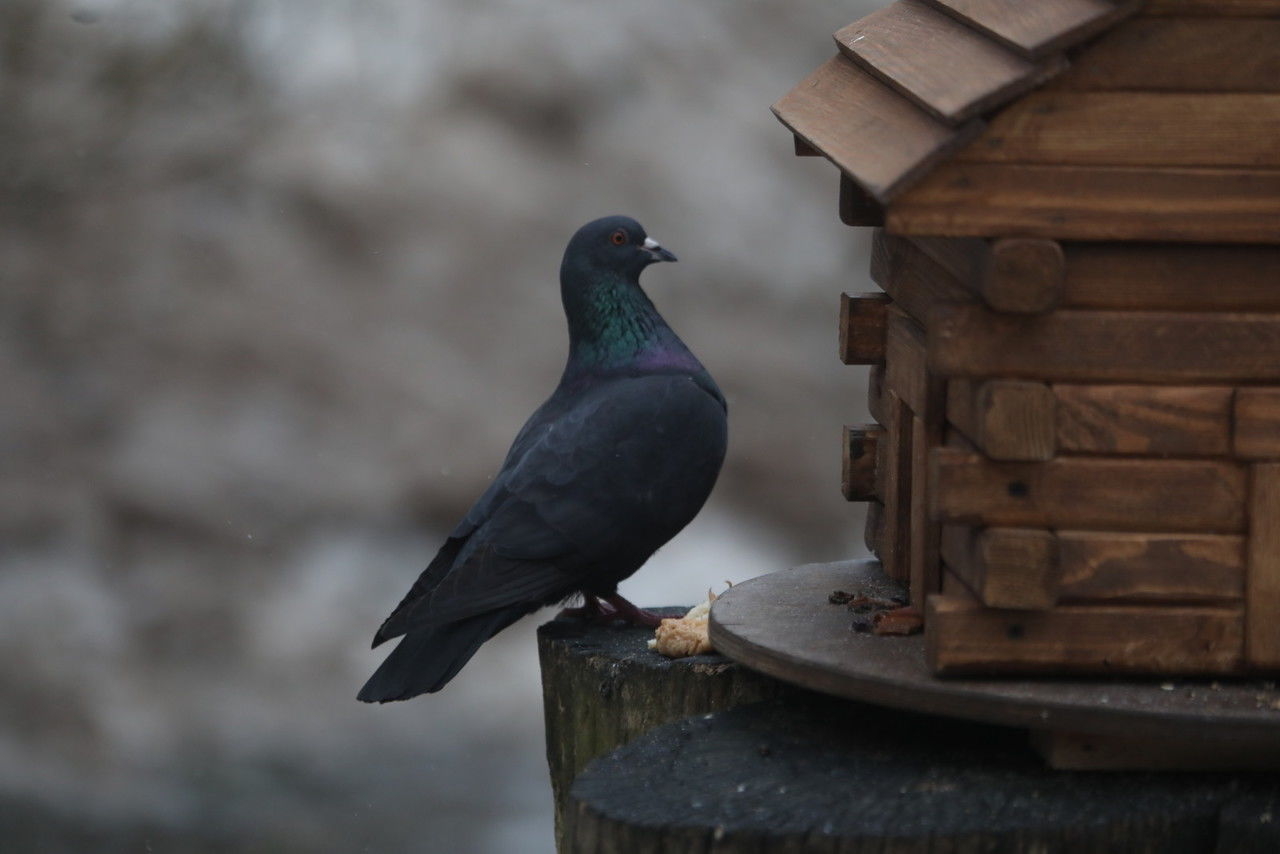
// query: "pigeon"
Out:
[617,461]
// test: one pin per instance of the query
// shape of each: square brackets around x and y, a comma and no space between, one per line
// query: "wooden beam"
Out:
[1144,419]
[1092,203]
[895,537]
[1262,579]
[1179,277]
[906,372]
[1105,346]
[963,636]
[876,405]
[1212,55]
[914,280]
[925,571]
[858,465]
[941,65]
[858,208]
[1035,30]
[877,138]
[1004,567]
[1007,419]
[1089,493]
[1257,423]
[1104,566]
[862,328]
[1011,274]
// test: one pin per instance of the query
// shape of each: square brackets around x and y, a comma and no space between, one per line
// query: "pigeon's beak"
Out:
[656,251]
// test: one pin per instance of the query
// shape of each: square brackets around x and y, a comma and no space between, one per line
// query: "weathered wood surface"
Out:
[964,636]
[1036,29]
[1144,419]
[1105,346]
[1262,578]
[876,137]
[603,687]
[832,776]
[862,328]
[1007,419]
[1011,274]
[858,462]
[941,65]
[914,280]
[1106,566]
[1083,493]
[1091,203]
[1256,423]
[1187,277]
[1004,567]
[783,625]
[1180,54]
[858,208]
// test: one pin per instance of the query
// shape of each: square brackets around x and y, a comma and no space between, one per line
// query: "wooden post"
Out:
[1262,579]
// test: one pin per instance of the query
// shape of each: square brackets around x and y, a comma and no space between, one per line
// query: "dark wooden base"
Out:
[783,625]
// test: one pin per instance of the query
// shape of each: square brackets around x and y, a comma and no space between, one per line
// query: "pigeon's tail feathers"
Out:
[425,660]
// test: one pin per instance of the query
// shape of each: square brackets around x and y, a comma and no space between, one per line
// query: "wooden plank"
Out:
[1153,568]
[1256,433]
[1216,8]
[1105,346]
[858,463]
[858,208]
[1004,567]
[940,64]
[1012,274]
[1083,493]
[862,328]
[1262,578]
[906,374]
[879,139]
[896,486]
[875,395]
[874,529]
[1036,29]
[1144,419]
[1142,129]
[1092,203]
[1007,419]
[963,636]
[1180,277]
[925,574]
[1180,54]
[914,280]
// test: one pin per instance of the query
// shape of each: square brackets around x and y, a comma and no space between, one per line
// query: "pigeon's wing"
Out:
[609,479]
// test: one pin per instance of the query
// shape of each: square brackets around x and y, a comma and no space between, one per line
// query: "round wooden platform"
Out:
[782,625]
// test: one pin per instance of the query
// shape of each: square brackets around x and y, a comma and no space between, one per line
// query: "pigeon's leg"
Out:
[624,610]
[592,609]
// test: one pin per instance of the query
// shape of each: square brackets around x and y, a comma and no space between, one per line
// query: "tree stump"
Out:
[602,687]
[825,775]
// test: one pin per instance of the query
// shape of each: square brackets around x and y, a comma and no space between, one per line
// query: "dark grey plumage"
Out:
[619,459]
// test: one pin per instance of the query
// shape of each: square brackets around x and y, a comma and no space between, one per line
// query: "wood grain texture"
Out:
[1179,277]
[1213,8]
[906,371]
[1004,567]
[1012,274]
[914,280]
[858,208]
[875,136]
[1256,433]
[1262,578]
[1106,346]
[1036,29]
[1089,493]
[1180,54]
[860,452]
[1144,419]
[964,636]
[862,328]
[1140,129]
[941,65]
[1106,566]
[1007,419]
[1092,203]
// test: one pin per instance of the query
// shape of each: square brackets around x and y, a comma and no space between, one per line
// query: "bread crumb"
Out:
[684,636]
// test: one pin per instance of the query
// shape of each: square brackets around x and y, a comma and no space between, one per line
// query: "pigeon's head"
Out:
[615,244]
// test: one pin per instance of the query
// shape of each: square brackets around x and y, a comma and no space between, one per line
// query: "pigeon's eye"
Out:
[618,238]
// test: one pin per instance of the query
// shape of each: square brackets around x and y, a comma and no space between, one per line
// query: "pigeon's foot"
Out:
[592,610]
[624,610]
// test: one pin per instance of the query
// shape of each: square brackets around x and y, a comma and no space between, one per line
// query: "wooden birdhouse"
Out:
[1076,358]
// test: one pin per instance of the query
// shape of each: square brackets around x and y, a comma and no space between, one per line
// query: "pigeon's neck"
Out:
[614,327]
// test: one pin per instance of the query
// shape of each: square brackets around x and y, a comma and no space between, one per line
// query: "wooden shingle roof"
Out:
[987,117]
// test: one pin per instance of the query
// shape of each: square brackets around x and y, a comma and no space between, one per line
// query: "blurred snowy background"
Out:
[279,286]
